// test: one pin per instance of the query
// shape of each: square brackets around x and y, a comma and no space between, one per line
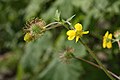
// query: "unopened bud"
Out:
[28,37]
[117,36]
[34,29]
[66,55]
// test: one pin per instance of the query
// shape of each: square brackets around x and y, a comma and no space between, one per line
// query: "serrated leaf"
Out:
[61,71]
[57,16]
[35,50]
[69,19]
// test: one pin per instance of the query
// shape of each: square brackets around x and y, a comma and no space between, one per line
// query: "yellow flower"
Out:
[27,37]
[107,40]
[76,33]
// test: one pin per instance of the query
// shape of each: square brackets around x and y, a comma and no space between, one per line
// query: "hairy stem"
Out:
[95,65]
[97,60]
[57,24]
[54,26]
[53,23]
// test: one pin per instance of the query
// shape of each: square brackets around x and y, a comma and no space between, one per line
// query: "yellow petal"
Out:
[78,26]
[70,32]
[106,34]
[104,44]
[27,37]
[110,36]
[77,38]
[71,37]
[109,44]
[85,32]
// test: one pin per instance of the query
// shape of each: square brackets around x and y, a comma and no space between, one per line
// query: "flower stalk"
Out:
[95,65]
[56,24]
[97,60]
[36,27]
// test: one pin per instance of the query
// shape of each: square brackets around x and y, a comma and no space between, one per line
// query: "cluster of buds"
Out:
[117,36]
[34,29]
[66,55]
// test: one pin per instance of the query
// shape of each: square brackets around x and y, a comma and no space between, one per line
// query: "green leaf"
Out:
[57,16]
[20,72]
[36,53]
[61,71]
[69,19]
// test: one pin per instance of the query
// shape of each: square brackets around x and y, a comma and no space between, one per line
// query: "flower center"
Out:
[79,33]
[107,40]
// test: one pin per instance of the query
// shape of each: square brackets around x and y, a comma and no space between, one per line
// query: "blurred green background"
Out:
[39,60]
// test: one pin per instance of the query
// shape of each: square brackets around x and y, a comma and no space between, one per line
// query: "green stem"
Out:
[53,23]
[56,24]
[52,27]
[97,60]
[95,65]
[89,50]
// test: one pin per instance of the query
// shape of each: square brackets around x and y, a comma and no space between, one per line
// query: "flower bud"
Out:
[66,55]
[34,29]
[28,37]
[117,36]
